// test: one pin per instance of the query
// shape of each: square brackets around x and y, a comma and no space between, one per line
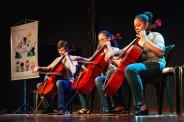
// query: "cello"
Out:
[48,87]
[118,77]
[84,82]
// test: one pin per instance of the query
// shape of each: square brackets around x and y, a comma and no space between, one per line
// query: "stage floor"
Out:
[153,117]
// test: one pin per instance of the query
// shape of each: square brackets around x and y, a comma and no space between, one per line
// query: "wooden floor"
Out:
[94,117]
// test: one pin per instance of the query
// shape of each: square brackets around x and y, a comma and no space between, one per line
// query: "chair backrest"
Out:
[168,51]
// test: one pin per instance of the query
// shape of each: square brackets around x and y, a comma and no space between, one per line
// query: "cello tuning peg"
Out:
[118,35]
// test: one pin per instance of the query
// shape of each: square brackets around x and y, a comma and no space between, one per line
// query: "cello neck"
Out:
[118,36]
[97,52]
[128,47]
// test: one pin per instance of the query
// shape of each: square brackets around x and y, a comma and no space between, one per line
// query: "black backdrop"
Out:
[69,20]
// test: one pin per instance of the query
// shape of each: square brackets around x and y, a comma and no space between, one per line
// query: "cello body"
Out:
[48,87]
[118,77]
[85,81]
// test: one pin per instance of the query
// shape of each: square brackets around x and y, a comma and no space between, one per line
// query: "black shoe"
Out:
[47,110]
[105,110]
[140,112]
[120,110]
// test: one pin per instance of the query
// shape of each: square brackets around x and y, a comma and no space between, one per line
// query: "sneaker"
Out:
[64,112]
[67,112]
[61,111]
[105,110]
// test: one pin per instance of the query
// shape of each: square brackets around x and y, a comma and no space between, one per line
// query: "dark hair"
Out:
[62,43]
[146,17]
[108,34]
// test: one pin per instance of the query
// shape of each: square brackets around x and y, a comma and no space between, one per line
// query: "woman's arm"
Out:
[78,58]
[154,47]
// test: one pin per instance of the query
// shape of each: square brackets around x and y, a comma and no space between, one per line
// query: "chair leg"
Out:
[159,104]
[169,96]
[161,97]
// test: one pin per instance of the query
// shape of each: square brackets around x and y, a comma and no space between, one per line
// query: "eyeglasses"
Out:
[103,39]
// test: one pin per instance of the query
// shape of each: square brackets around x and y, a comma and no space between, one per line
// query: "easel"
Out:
[25,105]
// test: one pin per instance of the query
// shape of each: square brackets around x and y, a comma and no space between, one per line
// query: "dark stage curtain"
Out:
[92,26]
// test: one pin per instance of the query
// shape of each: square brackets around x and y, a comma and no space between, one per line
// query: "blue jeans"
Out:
[138,72]
[116,100]
[83,101]
[62,86]
[99,81]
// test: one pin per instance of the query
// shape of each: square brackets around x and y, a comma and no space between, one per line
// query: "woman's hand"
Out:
[108,44]
[142,35]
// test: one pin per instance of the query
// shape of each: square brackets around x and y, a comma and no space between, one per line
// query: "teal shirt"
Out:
[148,55]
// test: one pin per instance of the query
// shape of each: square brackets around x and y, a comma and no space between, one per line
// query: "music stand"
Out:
[25,101]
